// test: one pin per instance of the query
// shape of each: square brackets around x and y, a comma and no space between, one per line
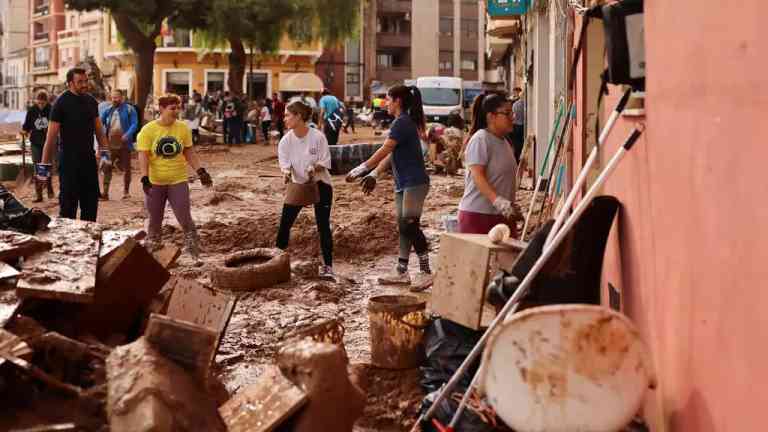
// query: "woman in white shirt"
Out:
[266,119]
[304,156]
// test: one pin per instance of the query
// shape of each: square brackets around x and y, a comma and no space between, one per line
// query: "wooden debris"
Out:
[127,281]
[9,305]
[263,405]
[14,245]
[113,239]
[190,345]
[148,392]
[194,303]
[68,271]
[59,427]
[320,370]
[7,271]
[167,255]
[12,346]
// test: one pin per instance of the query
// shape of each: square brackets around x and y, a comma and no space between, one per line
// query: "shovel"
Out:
[22,179]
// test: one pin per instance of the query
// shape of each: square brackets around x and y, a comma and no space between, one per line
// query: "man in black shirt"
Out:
[36,126]
[75,114]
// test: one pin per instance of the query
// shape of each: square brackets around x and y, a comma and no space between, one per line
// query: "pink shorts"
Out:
[481,223]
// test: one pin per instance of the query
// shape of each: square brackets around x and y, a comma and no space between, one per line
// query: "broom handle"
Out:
[587,166]
[522,290]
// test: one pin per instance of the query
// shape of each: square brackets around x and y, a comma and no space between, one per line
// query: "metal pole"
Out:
[522,290]
[250,77]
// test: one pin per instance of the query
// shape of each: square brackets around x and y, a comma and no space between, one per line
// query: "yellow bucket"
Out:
[397,324]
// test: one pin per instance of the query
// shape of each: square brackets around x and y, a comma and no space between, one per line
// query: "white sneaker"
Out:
[422,281]
[325,272]
[395,278]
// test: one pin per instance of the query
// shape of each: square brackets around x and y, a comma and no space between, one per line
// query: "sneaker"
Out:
[192,243]
[395,277]
[325,272]
[422,281]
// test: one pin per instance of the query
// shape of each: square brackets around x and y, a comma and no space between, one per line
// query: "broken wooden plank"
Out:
[14,245]
[148,392]
[193,302]
[190,345]
[58,427]
[126,282]
[263,405]
[9,305]
[167,255]
[12,346]
[7,271]
[112,239]
[68,271]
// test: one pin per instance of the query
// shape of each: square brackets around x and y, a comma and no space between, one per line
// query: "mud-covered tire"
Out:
[344,157]
[233,276]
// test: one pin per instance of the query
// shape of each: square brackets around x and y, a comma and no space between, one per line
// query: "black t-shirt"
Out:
[407,158]
[76,115]
[36,124]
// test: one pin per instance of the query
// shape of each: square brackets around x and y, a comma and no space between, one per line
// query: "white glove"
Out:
[311,171]
[504,206]
[358,171]
[287,177]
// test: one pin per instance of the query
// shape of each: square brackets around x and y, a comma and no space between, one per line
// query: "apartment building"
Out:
[410,38]
[82,37]
[14,37]
[47,19]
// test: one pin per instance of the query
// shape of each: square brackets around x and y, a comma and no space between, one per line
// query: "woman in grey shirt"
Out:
[489,184]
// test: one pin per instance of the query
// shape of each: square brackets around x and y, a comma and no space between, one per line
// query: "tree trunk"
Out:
[143,47]
[236,66]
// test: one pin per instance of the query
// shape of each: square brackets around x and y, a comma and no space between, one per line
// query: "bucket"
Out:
[451,223]
[397,325]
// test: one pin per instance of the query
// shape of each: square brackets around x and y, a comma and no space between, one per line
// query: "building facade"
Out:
[81,38]
[183,66]
[14,22]
[47,19]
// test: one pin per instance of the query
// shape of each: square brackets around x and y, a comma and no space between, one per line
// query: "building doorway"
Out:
[257,85]
[178,82]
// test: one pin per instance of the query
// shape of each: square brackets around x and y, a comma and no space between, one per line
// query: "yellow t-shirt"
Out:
[165,145]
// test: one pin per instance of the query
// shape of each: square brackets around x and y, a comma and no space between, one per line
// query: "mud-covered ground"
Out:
[242,211]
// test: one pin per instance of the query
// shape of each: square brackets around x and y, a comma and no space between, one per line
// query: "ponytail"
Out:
[410,101]
[483,105]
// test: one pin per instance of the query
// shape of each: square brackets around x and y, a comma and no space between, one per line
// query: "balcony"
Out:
[41,37]
[394,6]
[41,9]
[394,73]
[67,34]
[393,40]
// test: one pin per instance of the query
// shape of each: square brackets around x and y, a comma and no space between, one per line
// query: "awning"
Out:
[300,82]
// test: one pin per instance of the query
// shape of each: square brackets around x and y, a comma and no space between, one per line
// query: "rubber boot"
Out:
[192,242]
[51,195]
[38,191]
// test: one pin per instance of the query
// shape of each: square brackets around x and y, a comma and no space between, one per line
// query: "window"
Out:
[384,60]
[42,57]
[41,32]
[446,26]
[440,96]
[178,82]
[392,24]
[469,28]
[468,61]
[446,60]
[178,38]
[215,81]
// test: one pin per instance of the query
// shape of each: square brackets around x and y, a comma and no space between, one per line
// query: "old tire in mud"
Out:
[252,269]
[344,157]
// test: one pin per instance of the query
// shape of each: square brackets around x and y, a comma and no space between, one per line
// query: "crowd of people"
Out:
[88,139]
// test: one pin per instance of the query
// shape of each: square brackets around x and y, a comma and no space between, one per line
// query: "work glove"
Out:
[146,184]
[358,172]
[505,207]
[204,177]
[369,183]
[311,172]
[286,177]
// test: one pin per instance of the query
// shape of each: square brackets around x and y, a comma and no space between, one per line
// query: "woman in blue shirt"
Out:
[402,150]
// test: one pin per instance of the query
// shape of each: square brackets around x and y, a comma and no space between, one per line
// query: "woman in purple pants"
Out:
[165,149]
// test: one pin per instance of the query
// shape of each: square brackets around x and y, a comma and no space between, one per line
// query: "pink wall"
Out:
[692,237]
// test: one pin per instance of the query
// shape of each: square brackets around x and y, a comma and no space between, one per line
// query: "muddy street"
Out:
[242,211]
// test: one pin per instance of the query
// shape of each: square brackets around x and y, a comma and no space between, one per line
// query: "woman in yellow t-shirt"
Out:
[165,148]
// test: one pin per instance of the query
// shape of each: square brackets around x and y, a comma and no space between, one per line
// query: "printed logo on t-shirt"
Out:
[41,123]
[168,147]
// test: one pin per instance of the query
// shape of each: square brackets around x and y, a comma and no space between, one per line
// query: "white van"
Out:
[441,96]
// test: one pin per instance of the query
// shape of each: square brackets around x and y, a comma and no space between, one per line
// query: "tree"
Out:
[262,24]
[139,23]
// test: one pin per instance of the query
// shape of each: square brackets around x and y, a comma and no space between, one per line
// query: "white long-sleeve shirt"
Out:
[296,155]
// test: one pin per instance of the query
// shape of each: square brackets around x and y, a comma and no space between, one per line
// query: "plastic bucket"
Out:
[397,324]
[451,223]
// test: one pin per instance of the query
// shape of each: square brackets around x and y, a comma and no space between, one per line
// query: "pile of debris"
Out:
[95,334]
